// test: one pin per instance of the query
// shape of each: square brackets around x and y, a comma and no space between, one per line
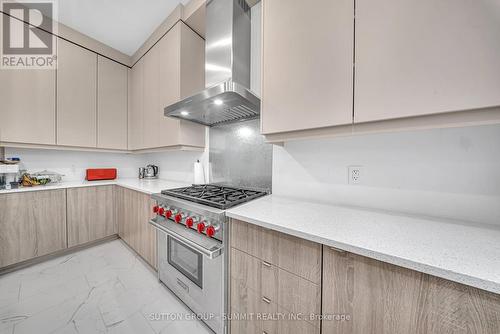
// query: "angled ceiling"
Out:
[121,24]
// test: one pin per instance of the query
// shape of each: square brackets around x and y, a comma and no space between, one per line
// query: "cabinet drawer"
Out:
[245,270]
[255,240]
[298,295]
[293,254]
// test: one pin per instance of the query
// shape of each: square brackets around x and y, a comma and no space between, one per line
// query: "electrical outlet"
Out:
[355,174]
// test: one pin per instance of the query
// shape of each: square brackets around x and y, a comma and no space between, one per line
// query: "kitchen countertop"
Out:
[145,186]
[457,251]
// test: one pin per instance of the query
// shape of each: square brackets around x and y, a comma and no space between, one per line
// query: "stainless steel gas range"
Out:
[192,258]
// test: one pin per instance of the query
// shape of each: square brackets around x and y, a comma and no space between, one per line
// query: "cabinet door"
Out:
[76,96]
[383,298]
[91,214]
[169,80]
[307,64]
[111,104]
[28,111]
[31,224]
[134,209]
[152,113]
[135,118]
[419,57]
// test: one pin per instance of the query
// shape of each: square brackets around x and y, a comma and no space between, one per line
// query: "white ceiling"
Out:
[121,24]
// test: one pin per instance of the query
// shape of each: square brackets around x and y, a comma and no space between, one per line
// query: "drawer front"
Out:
[298,295]
[293,254]
[255,240]
[245,270]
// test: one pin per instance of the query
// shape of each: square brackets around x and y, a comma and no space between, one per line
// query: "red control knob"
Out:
[189,222]
[168,214]
[210,231]
[155,208]
[200,227]
[161,211]
[178,218]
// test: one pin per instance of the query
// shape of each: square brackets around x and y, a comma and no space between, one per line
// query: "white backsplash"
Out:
[450,173]
[177,166]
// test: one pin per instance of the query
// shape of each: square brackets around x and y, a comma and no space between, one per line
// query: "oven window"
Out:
[185,259]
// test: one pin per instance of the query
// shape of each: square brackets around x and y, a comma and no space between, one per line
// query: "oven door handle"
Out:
[178,233]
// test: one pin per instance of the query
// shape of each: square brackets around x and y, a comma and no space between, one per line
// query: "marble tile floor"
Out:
[103,289]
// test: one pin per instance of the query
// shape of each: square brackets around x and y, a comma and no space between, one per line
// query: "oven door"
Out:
[192,267]
[186,260]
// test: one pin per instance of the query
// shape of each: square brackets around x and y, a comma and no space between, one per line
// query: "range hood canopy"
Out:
[227,69]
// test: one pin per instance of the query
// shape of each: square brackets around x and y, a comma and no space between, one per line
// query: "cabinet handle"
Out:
[266,300]
[337,250]
[267,264]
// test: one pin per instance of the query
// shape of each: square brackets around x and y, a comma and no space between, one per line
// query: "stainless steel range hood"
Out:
[227,69]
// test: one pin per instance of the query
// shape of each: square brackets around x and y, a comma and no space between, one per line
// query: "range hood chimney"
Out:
[227,97]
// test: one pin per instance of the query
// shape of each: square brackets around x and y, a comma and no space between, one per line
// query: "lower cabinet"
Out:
[274,289]
[282,296]
[32,224]
[90,214]
[133,211]
[383,298]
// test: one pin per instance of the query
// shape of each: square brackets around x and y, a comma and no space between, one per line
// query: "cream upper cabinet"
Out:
[152,112]
[418,57]
[28,105]
[76,96]
[173,69]
[182,56]
[111,104]
[307,64]
[135,119]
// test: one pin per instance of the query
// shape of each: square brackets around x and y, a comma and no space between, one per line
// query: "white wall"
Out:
[175,165]
[453,173]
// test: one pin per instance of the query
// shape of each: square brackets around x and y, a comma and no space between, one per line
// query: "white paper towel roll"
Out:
[199,175]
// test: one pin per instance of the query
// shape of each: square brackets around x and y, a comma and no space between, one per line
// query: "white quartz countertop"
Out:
[142,185]
[468,254]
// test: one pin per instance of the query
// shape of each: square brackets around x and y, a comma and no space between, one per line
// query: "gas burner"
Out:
[220,197]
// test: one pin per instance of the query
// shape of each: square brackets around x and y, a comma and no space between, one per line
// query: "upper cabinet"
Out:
[307,64]
[171,70]
[111,104]
[28,105]
[151,108]
[135,119]
[76,96]
[419,57]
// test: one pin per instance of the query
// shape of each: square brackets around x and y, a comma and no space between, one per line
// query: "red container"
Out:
[101,174]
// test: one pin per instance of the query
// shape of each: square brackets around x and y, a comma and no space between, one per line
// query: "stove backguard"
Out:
[239,155]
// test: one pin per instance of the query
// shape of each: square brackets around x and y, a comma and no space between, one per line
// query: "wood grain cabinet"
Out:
[111,104]
[307,64]
[91,214]
[383,298]
[28,104]
[32,224]
[133,211]
[271,281]
[171,70]
[425,57]
[76,96]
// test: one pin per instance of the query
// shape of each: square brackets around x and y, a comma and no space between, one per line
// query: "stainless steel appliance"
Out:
[150,172]
[227,66]
[142,172]
[192,239]
[191,222]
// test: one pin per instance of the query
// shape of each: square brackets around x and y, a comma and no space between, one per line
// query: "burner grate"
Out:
[220,197]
